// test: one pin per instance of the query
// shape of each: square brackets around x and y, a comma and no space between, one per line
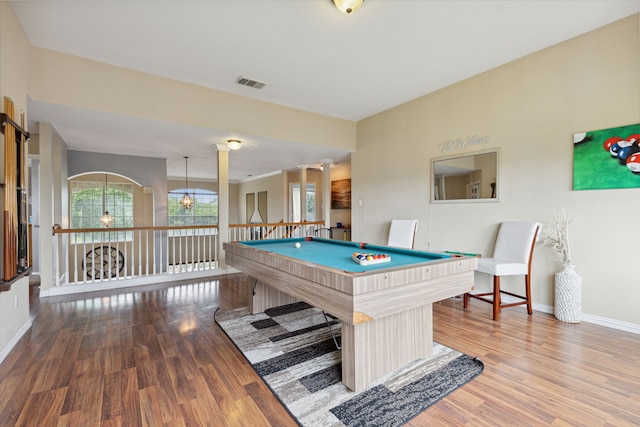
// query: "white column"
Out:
[326,192]
[286,209]
[303,192]
[47,278]
[223,200]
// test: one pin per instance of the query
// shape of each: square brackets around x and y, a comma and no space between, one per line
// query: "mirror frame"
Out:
[498,189]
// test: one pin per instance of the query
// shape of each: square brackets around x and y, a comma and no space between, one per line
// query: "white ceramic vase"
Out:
[568,300]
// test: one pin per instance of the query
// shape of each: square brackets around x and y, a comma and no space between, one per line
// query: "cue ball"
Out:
[297,244]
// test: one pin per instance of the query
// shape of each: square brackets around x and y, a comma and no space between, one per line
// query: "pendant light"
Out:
[186,201]
[106,220]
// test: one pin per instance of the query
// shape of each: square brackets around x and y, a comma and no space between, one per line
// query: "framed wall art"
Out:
[607,158]
[341,194]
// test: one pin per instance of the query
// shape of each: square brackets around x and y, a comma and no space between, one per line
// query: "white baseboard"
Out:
[597,320]
[12,343]
[134,282]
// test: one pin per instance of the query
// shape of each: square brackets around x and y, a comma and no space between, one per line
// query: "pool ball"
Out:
[634,138]
[298,245]
[625,143]
[615,148]
[610,141]
[579,137]
[625,152]
[633,162]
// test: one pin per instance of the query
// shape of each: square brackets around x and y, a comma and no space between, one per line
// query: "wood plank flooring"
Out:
[154,356]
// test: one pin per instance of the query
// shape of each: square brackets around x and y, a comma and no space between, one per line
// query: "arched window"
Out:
[89,200]
[203,212]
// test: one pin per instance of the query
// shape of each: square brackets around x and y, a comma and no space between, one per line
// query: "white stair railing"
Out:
[97,255]
[109,254]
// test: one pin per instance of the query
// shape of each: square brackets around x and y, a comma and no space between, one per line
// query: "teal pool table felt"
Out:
[337,253]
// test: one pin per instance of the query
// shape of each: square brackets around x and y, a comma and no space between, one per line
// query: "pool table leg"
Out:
[374,348]
[265,296]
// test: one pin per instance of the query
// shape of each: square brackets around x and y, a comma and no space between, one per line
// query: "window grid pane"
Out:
[87,207]
[203,212]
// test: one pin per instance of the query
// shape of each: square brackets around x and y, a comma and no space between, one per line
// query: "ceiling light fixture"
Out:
[347,6]
[106,220]
[186,201]
[234,144]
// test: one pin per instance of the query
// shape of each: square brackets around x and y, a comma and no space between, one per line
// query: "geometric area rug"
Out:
[293,351]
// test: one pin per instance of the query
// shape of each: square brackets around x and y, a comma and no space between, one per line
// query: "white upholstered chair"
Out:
[402,233]
[512,256]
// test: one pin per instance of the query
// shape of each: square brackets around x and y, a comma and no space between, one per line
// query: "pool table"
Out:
[385,309]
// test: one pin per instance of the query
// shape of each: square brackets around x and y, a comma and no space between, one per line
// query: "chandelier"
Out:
[186,201]
[106,220]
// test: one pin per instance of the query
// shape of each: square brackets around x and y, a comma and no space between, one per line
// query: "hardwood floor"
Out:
[155,357]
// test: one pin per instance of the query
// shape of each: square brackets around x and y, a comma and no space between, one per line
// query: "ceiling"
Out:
[310,56]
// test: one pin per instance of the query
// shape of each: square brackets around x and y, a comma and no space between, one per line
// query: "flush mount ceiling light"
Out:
[186,201]
[234,144]
[347,6]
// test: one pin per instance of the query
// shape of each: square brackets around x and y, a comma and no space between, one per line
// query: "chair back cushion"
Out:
[402,233]
[515,240]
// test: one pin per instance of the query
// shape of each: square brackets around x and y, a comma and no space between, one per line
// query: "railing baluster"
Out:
[139,240]
[216,240]
[108,258]
[74,258]
[196,255]
[82,255]
[56,258]
[93,246]
[197,258]
[162,239]
[146,248]
[125,246]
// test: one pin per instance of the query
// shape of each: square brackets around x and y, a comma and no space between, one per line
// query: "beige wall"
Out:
[14,66]
[278,188]
[529,108]
[275,198]
[77,82]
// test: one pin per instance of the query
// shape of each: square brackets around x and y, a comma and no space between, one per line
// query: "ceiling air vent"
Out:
[251,83]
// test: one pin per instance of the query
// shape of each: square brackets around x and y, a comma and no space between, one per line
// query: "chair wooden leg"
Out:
[496,297]
[465,300]
[527,285]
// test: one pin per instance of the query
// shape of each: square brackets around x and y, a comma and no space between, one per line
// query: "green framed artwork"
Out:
[607,158]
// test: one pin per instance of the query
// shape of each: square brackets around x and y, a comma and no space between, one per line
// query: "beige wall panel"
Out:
[78,82]
[530,108]
[273,186]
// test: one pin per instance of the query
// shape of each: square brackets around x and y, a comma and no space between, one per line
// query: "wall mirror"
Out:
[466,177]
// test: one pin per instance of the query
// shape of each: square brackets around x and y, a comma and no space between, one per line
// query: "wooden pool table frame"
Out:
[386,314]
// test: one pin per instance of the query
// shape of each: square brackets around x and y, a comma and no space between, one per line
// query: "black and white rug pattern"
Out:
[293,351]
